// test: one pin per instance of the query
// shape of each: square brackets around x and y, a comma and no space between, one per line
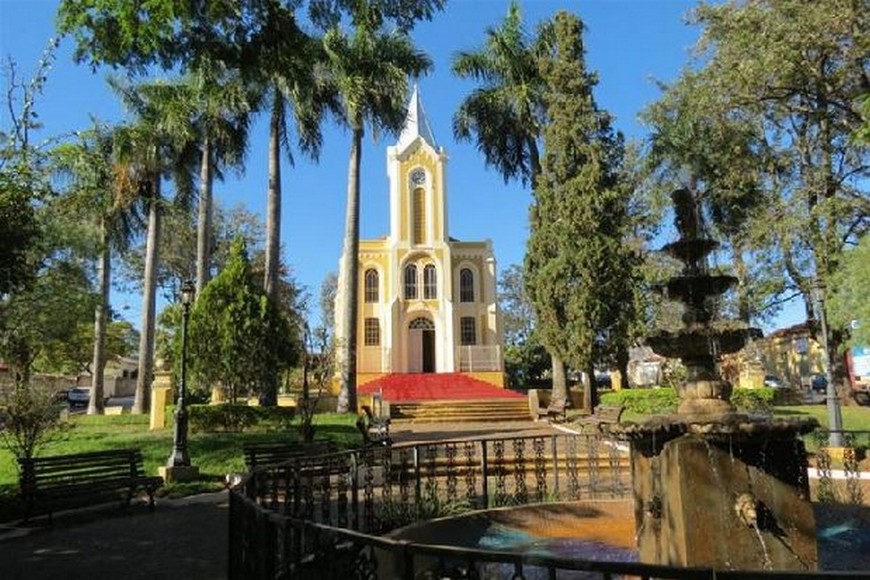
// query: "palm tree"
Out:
[160,143]
[220,114]
[100,187]
[370,70]
[280,61]
[506,114]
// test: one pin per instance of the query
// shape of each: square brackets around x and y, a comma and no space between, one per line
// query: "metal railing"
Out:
[322,517]
[478,358]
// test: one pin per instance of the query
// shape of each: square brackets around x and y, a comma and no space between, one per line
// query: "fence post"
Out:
[554,447]
[354,490]
[484,472]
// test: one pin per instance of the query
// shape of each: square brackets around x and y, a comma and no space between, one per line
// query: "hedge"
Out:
[644,401]
[236,418]
[664,400]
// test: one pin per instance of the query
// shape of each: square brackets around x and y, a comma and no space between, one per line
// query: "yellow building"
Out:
[427,302]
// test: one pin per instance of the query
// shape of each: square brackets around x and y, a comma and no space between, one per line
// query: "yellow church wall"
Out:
[495,378]
[363,378]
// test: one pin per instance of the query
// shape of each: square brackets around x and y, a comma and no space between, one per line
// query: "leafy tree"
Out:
[526,360]
[238,336]
[850,288]
[179,253]
[44,288]
[800,70]
[328,291]
[579,273]
[30,419]
[721,159]
[506,113]
[369,68]
[23,178]
[73,353]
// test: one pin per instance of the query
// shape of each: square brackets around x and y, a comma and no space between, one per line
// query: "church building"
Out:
[427,302]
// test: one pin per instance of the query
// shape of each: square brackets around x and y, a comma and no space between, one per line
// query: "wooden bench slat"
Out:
[257,454]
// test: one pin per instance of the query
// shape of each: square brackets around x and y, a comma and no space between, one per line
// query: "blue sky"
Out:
[630,44]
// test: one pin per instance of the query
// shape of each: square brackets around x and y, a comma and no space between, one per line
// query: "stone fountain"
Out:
[714,487]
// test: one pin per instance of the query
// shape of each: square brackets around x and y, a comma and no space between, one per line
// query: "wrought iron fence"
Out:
[320,517]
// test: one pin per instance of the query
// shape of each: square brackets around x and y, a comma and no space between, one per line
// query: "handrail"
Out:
[327,513]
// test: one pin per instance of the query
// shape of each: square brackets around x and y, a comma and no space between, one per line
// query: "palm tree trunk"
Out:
[95,405]
[273,198]
[149,287]
[350,265]
[203,225]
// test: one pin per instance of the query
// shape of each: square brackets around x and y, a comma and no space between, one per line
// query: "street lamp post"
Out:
[832,401]
[179,456]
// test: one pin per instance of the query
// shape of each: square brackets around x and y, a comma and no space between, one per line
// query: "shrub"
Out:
[644,401]
[237,418]
[30,418]
[758,400]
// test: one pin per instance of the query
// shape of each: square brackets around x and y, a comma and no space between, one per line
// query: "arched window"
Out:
[467,331]
[372,334]
[419,207]
[410,282]
[430,283]
[371,285]
[466,285]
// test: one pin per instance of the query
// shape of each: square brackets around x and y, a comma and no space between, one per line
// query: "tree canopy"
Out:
[238,336]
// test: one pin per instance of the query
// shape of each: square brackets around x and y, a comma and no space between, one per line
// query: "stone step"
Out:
[461,411]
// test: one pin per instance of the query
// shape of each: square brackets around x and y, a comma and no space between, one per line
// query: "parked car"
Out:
[78,397]
[819,383]
[774,382]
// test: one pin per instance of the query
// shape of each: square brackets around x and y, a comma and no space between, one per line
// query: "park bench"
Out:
[374,430]
[81,479]
[603,415]
[258,454]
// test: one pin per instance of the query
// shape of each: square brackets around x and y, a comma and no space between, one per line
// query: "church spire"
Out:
[416,123]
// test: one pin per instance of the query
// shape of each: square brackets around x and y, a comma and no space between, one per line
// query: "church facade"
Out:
[427,302]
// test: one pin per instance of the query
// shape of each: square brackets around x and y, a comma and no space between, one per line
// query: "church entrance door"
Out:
[421,346]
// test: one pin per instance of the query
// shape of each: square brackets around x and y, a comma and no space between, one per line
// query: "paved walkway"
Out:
[182,539]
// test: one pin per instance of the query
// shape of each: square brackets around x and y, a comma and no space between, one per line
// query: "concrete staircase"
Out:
[447,398]
[501,410]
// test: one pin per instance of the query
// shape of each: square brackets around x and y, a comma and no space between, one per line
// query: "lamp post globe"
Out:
[179,456]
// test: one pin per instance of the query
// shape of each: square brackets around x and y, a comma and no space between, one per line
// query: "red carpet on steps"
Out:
[434,386]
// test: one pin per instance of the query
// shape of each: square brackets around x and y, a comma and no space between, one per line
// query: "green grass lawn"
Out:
[216,454]
[854,418]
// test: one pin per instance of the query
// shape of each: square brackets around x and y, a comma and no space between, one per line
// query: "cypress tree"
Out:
[578,270]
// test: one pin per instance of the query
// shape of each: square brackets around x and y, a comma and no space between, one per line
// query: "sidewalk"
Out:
[182,539]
